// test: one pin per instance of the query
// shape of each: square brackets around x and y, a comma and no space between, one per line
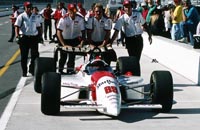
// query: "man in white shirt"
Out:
[71,33]
[98,29]
[27,29]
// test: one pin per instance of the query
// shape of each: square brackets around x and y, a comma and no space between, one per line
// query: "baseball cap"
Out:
[126,2]
[72,7]
[27,3]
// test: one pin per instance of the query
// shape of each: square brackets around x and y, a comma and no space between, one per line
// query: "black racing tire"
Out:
[50,96]
[161,90]
[42,65]
[128,64]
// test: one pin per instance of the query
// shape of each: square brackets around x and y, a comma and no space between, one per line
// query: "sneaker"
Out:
[183,40]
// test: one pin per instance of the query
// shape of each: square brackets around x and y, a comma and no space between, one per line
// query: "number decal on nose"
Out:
[109,89]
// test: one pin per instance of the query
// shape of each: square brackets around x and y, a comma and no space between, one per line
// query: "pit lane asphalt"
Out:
[23,112]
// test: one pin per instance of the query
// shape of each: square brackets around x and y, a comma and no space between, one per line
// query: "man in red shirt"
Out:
[57,14]
[47,21]
[81,10]
[145,10]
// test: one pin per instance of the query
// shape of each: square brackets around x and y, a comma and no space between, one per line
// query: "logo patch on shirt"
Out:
[134,18]
[75,22]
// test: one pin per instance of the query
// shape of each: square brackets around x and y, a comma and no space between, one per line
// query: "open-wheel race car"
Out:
[97,85]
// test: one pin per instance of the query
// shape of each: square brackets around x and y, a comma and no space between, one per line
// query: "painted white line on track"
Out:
[11,104]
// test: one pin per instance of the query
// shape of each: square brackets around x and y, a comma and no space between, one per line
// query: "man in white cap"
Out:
[131,22]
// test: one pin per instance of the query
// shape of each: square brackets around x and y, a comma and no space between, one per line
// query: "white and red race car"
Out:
[97,85]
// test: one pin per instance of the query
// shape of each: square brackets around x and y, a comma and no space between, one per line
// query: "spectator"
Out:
[107,12]
[47,21]
[13,18]
[99,29]
[81,10]
[132,21]
[29,25]
[156,24]
[39,17]
[167,19]
[155,18]
[121,35]
[158,5]
[152,8]
[71,33]
[57,15]
[90,12]
[139,8]
[144,10]
[190,22]
[177,18]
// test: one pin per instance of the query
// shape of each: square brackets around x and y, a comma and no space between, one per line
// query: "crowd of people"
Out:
[75,26]
[177,20]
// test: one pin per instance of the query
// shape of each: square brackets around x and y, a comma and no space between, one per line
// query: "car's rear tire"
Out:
[50,97]
[128,64]
[161,90]
[42,65]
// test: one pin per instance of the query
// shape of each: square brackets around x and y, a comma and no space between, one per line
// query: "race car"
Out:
[97,85]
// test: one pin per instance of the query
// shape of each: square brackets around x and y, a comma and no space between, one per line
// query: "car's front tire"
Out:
[161,89]
[42,65]
[50,97]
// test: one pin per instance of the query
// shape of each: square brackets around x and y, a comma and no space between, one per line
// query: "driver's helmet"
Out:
[98,62]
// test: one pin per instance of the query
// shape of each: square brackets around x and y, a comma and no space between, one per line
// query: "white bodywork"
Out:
[108,95]
[107,92]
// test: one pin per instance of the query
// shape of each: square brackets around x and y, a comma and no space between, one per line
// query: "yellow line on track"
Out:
[10,61]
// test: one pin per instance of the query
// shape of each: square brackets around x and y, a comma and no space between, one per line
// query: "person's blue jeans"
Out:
[188,30]
[176,32]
